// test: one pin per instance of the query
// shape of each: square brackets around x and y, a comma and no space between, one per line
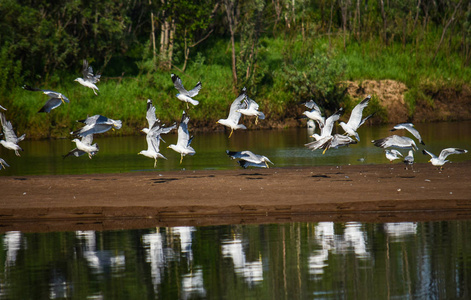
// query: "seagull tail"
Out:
[193,101]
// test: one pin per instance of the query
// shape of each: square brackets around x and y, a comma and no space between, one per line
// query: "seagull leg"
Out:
[95,92]
[181,159]
[155,162]
[323,152]
[90,155]
[17,153]
[256,120]
[266,164]
[231,133]
[187,106]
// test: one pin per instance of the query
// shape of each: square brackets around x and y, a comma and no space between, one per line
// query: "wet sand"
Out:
[369,193]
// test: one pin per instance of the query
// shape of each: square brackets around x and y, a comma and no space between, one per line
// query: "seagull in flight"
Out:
[253,159]
[409,127]
[441,159]
[84,146]
[55,98]
[326,140]
[89,80]
[232,120]
[153,142]
[251,109]
[97,124]
[184,140]
[396,141]
[151,119]
[393,154]
[315,113]
[355,120]
[11,140]
[183,94]
[3,164]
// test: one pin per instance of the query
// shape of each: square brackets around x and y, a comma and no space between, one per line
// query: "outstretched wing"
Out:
[150,115]
[183,134]
[409,127]
[87,72]
[448,151]
[355,117]
[8,131]
[177,83]
[193,92]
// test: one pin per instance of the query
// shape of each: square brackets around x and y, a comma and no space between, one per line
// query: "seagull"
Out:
[245,164]
[97,124]
[409,159]
[250,157]
[326,139]
[396,141]
[326,130]
[393,154]
[355,120]
[55,98]
[251,109]
[11,140]
[89,80]
[315,113]
[232,120]
[183,94]
[153,142]
[409,127]
[3,164]
[84,146]
[151,119]
[441,159]
[183,142]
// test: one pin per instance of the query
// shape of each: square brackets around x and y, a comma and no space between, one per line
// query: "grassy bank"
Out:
[276,88]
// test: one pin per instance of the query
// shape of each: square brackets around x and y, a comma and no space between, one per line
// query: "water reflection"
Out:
[284,147]
[273,261]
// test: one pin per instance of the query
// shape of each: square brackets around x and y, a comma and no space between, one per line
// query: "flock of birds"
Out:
[242,105]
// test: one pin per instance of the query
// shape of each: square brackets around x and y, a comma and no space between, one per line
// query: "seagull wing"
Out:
[87,139]
[429,153]
[448,151]
[312,105]
[8,131]
[87,72]
[395,141]
[355,117]
[329,123]
[177,83]
[251,157]
[50,105]
[234,116]
[409,127]
[150,115]
[183,134]
[193,92]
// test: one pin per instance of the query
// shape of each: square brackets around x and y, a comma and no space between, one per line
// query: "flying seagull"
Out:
[232,120]
[183,94]
[393,154]
[153,142]
[396,141]
[251,110]
[151,119]
[84,146]
[250,157]
[355,120]
[55,98]
[409,127]
[409,160]
[441,159]
[97,124]
[245,164]
[89,80]
[314,113]
[3,164]
[11,140]
[326,140]
[184,140]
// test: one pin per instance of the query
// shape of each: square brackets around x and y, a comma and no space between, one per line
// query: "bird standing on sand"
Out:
[55,98]
[409,160]
[232,120]
[355,120]
[248,158]
[11,140]
[84,146]
[441,159]
[89,80]
[409,127]
[184,140]
[183,94]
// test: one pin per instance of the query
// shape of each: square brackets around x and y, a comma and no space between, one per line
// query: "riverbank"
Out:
[370,193]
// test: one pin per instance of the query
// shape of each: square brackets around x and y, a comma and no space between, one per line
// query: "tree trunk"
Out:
[152,33]
[229,4]
[446,27]
[385,23]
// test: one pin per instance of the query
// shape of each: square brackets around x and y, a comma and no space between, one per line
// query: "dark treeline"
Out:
[41,38]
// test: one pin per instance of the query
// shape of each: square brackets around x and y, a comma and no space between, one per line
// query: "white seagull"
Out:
[396,141]
[255,160]
[251,110]
[89,80]
[55,98]
[393,154]
[409,159]
[151,119]
[355,120]
[153,143]
[183,142]
[441,159]
[232,120]
[183,94]
[409,127]
[11,140]
[315,113]
[84,146]
[3,164]
[97,124]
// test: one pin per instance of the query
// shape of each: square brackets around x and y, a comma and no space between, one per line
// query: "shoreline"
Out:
[368,193]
